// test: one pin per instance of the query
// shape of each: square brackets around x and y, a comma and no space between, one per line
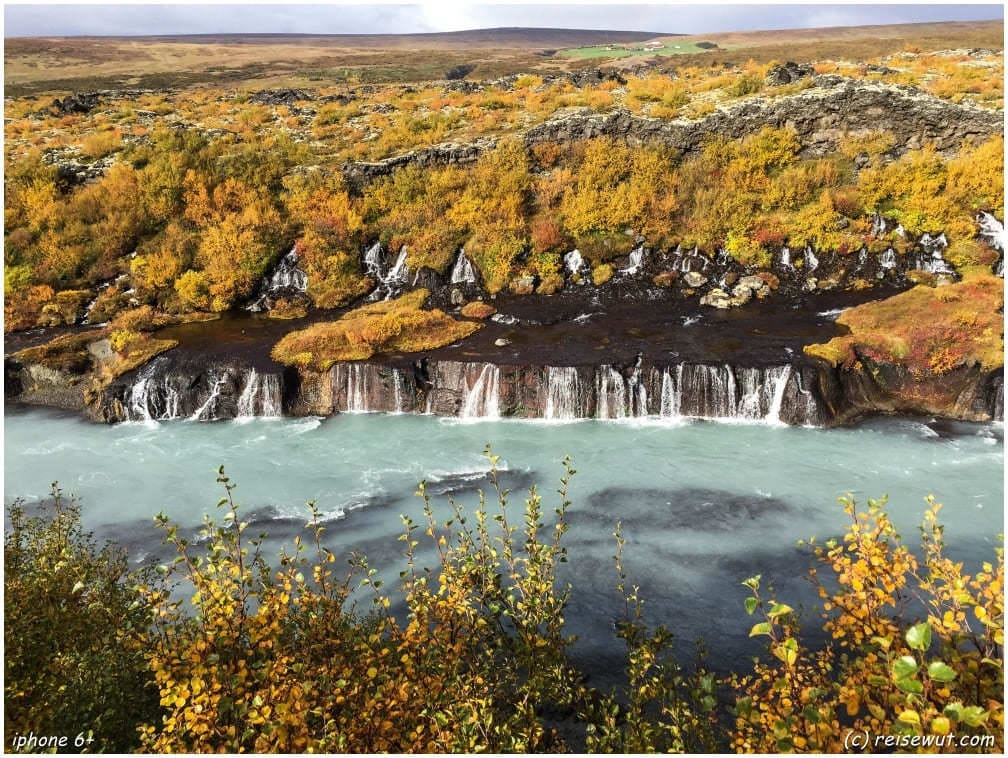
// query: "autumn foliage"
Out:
[915,647]
[399,325]
[236,649]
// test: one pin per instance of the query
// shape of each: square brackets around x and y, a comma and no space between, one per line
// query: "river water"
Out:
[703,505]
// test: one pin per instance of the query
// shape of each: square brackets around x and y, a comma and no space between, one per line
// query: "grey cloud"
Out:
[54,20]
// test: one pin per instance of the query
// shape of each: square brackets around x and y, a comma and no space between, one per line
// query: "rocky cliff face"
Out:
[165,390]
[965,393]
[820,115]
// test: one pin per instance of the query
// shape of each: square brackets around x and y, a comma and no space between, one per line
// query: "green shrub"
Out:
[72,616]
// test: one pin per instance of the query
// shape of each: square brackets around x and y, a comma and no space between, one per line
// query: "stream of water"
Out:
[703,505]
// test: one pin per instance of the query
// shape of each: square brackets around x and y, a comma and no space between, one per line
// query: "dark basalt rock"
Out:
[872,387]
[820,115]
[788,72]
[83,102]
[592,77]
[281,96]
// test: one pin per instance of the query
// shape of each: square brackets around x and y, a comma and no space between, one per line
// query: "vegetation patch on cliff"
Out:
[66,353]
[399,325]
[927,329]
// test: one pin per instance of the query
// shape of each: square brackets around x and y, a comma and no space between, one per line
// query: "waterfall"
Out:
[931,258]
[374,262]
[398,385]
[811,262]
[609,384]
[993,233]
[483,398]
[562,390]
[635,263]
[878,227]
[260,397]
[356,388]
[463,271]
[573,261]
[152,396]
[398,272]
[751,383]
[390,283]
[887,260]
[671,396]
[286,277]
[780,384]
[206,412]
[139,407]
[724,392]
[785,257]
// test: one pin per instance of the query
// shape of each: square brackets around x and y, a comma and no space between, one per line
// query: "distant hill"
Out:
[514,37]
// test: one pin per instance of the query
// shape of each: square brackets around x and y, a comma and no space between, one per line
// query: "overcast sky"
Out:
[45,19]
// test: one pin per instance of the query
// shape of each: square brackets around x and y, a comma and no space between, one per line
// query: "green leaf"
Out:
[918,636]
[911,686]
[974,715]
[940,672]
[904,667]
[954,711]
[909,717]
[779,609]
[750,605]
[752,582]
[761,628]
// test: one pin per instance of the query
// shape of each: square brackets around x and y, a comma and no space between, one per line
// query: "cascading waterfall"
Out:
[374,262]
[993,233]
[391,282]
[483,398]
[724,392]
[610,393]
[139,406]
[811,261]
[287,277]
[878,227]
[777,401]
[397,274]
[562,393]
[671,398]
[399,387]
[887,260]
[153,396]
[463,271]
[356,388]
[635,263]
[785,257]
[575,265]
[931,258]
[207,411]
[261,396]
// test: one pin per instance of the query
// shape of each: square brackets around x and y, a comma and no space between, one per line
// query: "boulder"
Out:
[83,102]
[280,96]
[717,298]
[741,294]
[694,279]
[785,73]
[751,282]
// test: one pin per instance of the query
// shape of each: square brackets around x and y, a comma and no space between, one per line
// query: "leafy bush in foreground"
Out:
[71,620]
[471,655]
[882,674]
